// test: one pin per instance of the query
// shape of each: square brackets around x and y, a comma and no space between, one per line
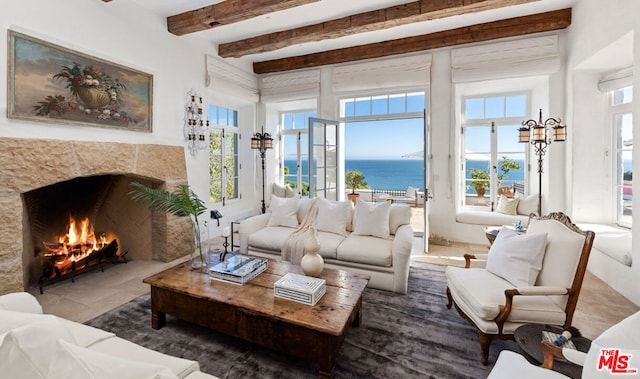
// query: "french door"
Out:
[323,158]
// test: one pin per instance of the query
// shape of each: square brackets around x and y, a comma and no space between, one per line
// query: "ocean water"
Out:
[400,173]
[386,174]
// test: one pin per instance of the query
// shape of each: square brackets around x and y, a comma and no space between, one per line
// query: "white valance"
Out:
[289,86]
[410,71]
[616,80]
[500,60]
[230,80]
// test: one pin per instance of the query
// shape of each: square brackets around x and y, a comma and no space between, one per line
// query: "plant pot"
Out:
[353,197]
[481,191]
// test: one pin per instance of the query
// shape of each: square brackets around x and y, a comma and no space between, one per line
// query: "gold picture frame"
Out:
[51,83]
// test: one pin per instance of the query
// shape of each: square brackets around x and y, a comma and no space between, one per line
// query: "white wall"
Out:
[126,34]
[601,39]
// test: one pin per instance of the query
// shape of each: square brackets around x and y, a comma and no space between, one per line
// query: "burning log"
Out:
[76,251]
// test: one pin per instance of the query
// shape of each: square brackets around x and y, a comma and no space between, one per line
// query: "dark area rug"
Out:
[402,336]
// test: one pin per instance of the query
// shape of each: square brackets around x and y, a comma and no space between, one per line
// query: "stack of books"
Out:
[238,269]
[300,288]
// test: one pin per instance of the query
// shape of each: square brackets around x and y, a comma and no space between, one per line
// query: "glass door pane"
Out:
[323,158]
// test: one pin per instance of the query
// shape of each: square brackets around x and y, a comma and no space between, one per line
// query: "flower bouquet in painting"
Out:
[93,92]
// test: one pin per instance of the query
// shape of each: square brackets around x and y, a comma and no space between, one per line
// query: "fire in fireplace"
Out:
[77,250]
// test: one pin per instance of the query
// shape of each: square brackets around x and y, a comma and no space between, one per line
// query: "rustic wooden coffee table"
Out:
[251,312]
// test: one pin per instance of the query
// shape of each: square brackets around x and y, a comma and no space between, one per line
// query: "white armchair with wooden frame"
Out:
[534,277]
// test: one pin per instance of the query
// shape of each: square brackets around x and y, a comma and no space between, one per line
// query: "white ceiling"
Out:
[330,9]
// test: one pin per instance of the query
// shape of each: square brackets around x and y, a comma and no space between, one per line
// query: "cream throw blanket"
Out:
[293,247]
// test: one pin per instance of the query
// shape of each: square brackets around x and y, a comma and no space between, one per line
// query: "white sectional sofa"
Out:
[35,345]
[369,239]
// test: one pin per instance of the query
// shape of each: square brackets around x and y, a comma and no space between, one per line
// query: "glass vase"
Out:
[199,256]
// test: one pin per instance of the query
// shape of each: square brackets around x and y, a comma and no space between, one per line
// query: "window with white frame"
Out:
[623,146]
[223,154]
[492,159]
[294,128]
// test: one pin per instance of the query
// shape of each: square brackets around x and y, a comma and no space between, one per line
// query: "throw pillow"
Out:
[283,212]
[279,190]
[528,204]
[15,362]
[35,343]
[517,258]
[75,362]
[507,206]
[333,216]
[371,219]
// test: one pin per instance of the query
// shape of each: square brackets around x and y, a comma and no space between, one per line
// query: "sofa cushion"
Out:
[270,238]
[34,342]
[612,241]
[75,362]
[516,257]
[119,347]
[283,212]
[510,365]
[333,216]
[83,335]
[483,292]
[20,302]
[16,363]
[364,249]
[12,319]
[329,243]
[399,214]
[371,219]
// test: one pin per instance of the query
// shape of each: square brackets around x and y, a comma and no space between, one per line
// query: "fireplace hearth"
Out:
[27,221]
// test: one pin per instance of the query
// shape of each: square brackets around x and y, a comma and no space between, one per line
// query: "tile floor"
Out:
[96,292]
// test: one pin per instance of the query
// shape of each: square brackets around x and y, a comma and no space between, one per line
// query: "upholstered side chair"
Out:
[547,291]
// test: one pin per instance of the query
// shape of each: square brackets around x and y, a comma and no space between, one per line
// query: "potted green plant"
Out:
[479,180]
[506,165]
[355,180]
[182,202]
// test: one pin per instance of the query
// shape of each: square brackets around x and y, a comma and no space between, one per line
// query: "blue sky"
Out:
[383,139]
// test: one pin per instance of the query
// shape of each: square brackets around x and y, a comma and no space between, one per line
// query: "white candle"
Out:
[226,231]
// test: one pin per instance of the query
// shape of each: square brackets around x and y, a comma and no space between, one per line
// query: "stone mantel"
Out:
[28,164]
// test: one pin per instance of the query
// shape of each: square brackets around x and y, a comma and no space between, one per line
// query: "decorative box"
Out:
[300,288]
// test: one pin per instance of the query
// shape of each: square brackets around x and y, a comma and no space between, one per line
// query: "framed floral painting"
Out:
[51,83]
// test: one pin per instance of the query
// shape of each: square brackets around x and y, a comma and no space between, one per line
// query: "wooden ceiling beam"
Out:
[226,12]
[541,22]
[417,11]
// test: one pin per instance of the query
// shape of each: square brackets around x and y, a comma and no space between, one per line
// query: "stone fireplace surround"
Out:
[28,164]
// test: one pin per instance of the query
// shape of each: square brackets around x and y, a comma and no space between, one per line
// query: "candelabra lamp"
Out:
[262,141]
[195,124]
[226,232]
[540,134]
